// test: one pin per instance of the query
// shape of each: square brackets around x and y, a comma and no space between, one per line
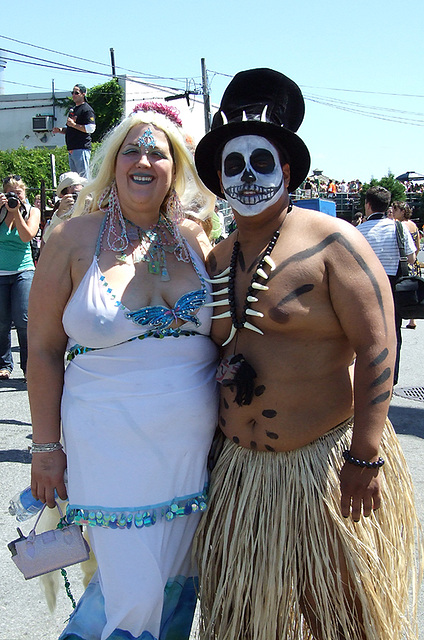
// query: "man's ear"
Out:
[220,183]
[286,174]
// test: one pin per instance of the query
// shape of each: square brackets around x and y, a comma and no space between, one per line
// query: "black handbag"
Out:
[408,290]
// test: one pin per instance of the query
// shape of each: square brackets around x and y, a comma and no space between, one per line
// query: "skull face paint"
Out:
[252,176]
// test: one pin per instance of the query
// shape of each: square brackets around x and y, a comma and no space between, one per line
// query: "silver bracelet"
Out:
[45,448]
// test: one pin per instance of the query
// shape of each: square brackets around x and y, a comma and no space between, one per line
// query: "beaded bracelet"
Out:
[45,448]
[362,463]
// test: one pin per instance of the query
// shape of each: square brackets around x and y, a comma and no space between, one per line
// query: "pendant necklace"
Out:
[235,370]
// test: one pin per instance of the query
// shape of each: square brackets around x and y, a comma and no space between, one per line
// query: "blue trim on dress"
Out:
[144,516]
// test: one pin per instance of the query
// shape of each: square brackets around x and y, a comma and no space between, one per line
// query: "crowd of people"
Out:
[222,415]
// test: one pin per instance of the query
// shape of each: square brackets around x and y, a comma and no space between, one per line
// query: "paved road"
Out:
[23,610]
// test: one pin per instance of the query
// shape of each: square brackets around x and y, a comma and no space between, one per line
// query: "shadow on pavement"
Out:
[17,423]
[15,455]
[408,420]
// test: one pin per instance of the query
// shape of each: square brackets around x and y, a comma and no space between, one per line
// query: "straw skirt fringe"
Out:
[273,532]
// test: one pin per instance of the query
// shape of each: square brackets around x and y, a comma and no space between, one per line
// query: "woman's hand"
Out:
[47,471]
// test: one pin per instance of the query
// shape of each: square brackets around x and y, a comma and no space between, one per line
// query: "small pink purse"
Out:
[40,553]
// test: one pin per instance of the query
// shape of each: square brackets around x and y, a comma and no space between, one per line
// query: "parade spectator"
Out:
[19,224]
[81,123]
[70,184]
[402,212]
[380,231]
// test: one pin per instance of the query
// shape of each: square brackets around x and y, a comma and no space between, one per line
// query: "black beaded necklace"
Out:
[239,324]
[254,284]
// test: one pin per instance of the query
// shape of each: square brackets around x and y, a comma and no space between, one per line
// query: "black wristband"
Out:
[362,463]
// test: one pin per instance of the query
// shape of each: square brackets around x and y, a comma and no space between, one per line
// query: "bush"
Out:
[33,165]
[396,188]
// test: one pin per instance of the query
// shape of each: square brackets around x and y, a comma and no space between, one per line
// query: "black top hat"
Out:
[259,102]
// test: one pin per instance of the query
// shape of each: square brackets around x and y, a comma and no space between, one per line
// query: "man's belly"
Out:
[282,419]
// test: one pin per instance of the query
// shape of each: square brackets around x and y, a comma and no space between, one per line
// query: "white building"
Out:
[28,119]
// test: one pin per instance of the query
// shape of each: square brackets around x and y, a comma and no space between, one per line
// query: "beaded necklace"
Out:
[235,371]
[151,244]
[259,273]
[229,276]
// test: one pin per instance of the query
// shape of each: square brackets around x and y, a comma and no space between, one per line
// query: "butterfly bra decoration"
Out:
[161,317]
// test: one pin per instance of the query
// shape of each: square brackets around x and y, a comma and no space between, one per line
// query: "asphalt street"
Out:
[24,612]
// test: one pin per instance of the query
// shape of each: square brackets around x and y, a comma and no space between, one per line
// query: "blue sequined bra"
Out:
[158,317]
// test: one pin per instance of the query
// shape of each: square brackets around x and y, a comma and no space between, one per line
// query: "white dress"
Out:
[138,419]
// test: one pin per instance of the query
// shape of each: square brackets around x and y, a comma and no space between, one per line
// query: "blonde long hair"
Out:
[187,184]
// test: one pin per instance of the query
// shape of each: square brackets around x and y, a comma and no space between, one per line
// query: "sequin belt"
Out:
[140,516]
[78,349]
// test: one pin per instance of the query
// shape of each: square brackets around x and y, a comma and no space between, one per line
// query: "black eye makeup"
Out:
[262,161]
[234,164]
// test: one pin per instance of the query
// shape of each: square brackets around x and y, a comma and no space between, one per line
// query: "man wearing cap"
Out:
[70,184]
[81,123]
[305,535]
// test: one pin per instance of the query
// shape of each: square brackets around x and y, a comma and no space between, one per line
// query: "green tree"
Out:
[389,182]
[107,100]
[33,165]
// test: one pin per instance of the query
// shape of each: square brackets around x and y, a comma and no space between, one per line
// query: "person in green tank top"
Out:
[19,224]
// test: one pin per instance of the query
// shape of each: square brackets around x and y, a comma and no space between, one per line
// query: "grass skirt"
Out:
[273,542]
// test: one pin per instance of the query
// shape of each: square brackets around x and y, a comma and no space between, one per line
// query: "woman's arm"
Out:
[27,228]
[50,291]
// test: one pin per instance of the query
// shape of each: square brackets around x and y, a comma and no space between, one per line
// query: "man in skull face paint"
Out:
[300,539]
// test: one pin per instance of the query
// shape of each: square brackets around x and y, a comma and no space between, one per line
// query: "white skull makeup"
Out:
[252,176]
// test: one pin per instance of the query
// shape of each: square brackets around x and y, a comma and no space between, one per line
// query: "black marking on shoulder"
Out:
[306,288]
[225,403]
[268,448]
[269,413]
[318,248]
[253,444]
[236,439]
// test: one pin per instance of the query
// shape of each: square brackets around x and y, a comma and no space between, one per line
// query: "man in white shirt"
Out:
[380,232]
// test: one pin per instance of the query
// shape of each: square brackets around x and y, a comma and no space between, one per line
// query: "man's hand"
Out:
[360,489]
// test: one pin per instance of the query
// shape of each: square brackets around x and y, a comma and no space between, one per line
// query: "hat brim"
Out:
[214,141]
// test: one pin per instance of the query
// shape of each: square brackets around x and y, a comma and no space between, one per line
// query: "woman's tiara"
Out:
[169,112]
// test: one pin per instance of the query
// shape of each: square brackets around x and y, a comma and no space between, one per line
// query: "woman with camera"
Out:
[19,223]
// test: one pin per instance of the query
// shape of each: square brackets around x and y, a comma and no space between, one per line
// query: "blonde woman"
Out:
[123,289]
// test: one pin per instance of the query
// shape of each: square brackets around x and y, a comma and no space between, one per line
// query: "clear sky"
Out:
[359,64]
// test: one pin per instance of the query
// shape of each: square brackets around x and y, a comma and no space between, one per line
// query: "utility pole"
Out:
[112,62]
[206,100]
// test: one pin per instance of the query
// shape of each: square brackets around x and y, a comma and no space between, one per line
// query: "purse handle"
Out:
[32,532]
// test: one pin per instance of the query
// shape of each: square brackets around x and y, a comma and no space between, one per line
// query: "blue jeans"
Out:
[79,161]
[14,294]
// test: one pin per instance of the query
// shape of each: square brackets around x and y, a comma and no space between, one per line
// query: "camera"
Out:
[13,200]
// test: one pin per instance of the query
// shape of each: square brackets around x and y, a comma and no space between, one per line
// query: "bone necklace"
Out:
[228,276]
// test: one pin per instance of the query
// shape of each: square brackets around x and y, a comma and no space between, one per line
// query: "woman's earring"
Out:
[174,209]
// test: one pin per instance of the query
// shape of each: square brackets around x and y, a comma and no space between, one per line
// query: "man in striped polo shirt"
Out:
[380,231]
